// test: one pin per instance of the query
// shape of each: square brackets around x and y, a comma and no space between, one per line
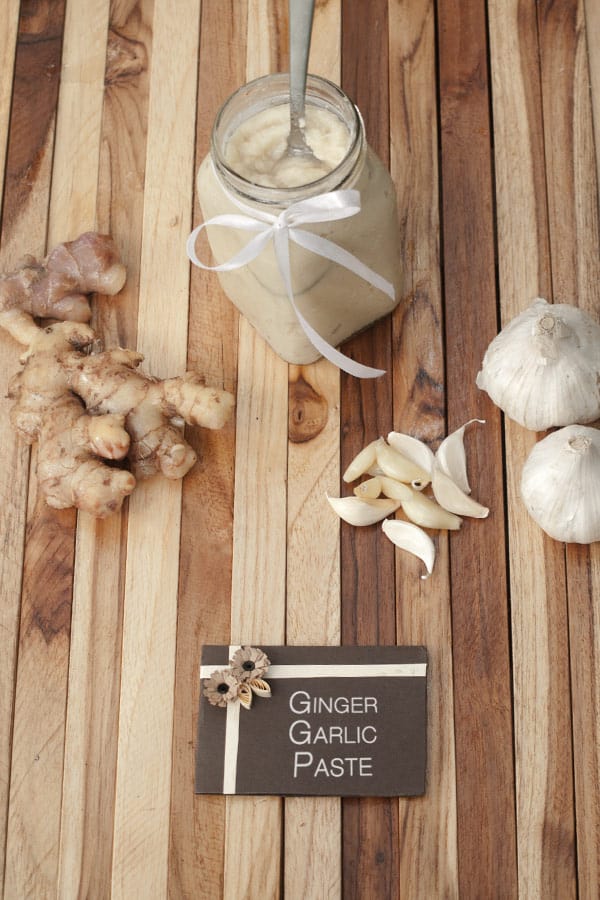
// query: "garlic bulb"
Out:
[543,368]
[560,484]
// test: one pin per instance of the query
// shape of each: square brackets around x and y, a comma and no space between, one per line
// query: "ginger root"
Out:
[86,407]
[71,443]
[57,287]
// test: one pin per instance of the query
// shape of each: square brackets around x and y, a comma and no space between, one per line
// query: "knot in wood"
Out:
[307,411]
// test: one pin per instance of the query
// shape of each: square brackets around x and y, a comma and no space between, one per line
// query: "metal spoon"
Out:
[300,24]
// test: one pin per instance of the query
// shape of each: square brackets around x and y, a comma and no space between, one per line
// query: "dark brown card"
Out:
[339,721]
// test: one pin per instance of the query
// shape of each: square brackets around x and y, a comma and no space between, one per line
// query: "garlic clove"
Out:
[396,490]
[413,539]
[452,459]
[412,448]
[356,511]
[395,465]
[361,462]
[543,368]
[428,514]
[450,496]
[560,484]
[369,489]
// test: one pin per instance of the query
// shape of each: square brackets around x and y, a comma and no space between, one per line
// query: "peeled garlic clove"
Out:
[425,512]
[369,489]
[452,459]
[450,496]
[543,368]
[395,465]
[357,511]
[394,489]
[560,484]
[361,462]
[417,451]
[413,539]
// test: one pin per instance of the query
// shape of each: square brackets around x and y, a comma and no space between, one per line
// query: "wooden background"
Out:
[488,114]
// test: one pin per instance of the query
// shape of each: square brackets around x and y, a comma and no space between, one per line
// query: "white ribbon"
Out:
[283,228]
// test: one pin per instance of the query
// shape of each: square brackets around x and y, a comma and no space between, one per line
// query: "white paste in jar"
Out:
[257,150]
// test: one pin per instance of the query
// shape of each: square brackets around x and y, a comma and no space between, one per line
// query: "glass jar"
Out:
[336,302]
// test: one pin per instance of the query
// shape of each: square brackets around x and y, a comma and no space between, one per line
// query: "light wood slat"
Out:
[428,824]
[258,585]
[313,825]
[480,621]
[95,659]
[575,242]
[8,39]
[143,783]
[312,831]
[14,455]
[259,531]
[592,29]
[198,822]
[37,868]
[539,626]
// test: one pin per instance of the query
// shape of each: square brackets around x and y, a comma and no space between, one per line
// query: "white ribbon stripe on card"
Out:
[302,671]
[283,228]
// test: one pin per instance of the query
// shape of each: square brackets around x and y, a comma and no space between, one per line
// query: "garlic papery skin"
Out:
[560,484]
[543,368]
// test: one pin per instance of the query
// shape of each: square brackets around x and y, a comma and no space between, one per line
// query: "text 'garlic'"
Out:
[543,368]
[560,484]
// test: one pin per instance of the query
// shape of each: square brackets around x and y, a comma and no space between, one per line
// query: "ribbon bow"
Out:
[281,229]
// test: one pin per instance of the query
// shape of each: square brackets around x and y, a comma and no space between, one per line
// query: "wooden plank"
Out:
[370,854]
[428,849]
[572,186]
[8,41]
[143,783]
[482,698]
[19,149]
[312,830]
[95,658]
[259,530]
[198,822]
[539,627]
[45,642]
[592,30]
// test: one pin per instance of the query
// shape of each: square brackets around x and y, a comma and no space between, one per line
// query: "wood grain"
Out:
[95,658]
[541,680]
[313,827]
[481,666]
[370,833]
[572,189]
[488,115]
[45,618]
[26,152]
[423,608]
[143,783]
[197,841]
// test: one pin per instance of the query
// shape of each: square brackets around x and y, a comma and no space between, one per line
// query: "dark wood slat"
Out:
[482,696]
[370,827]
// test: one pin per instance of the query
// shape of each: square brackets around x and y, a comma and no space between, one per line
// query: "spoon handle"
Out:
[300,24]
